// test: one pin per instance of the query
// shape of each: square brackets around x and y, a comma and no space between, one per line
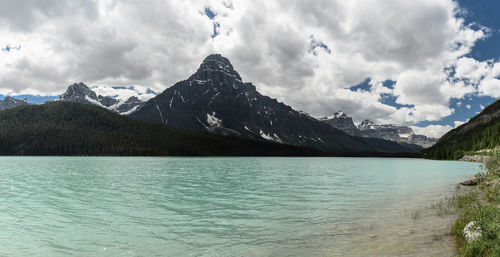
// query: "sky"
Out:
[429,64]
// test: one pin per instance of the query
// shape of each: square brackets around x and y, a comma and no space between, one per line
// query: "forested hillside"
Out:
[64,128]
[481,132]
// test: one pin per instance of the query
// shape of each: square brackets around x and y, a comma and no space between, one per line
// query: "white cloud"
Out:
[435,131]
[471,69]
[458,123]
[124,93]
[490,85]
[156,43]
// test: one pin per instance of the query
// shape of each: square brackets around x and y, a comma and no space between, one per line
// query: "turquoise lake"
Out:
[134,206]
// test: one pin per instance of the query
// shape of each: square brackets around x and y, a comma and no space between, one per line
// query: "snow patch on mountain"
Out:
[265,136]
[123,93]
[123,100]
[212,120]
[94,101]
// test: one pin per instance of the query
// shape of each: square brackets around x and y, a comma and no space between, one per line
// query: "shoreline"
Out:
[475,230]
[416,225]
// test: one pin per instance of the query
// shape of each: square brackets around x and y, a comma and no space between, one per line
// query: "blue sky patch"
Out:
[209,13]
[363,86]
[315,44]
[9,48]
[390,100]
[465,109]
[34,99]
[484,13]
[216,29]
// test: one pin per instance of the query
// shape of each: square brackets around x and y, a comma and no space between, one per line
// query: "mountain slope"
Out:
[215,99]
[480,132]
[65,128]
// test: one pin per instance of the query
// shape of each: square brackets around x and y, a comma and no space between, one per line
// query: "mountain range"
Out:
[368,129]
[216,100]
[213,112]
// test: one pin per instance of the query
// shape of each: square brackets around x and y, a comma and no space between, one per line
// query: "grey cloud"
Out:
[157,43]
[25,15]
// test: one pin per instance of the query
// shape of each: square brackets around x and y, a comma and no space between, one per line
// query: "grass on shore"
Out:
[455,203]
[483,209]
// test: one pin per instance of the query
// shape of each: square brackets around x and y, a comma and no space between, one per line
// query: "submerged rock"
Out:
[472,182]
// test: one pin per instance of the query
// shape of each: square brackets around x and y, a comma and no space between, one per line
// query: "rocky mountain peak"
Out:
[340,120]
[337,115]
[81,93]
[77,92]
[217,58]
[10,102]
[366,124]
[368,129]
[10,99]
[216,66]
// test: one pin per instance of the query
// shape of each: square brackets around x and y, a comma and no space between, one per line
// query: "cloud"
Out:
[468,68]
[307,54]
[435,131]
[459,123]
[124,93]
[490,85]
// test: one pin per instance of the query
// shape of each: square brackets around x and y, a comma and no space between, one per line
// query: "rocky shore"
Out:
[475,158]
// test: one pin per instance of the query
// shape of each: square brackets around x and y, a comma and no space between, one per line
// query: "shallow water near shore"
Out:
[135,206]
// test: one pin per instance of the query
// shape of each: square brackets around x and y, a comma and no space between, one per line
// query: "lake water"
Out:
[93,206]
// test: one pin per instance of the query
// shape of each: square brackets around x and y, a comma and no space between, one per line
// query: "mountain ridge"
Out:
[368,129]
[81,93]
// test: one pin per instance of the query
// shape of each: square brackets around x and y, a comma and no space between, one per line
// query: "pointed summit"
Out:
[216,63]
[217,58]
[78,92]
[366,124]
[340,120]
